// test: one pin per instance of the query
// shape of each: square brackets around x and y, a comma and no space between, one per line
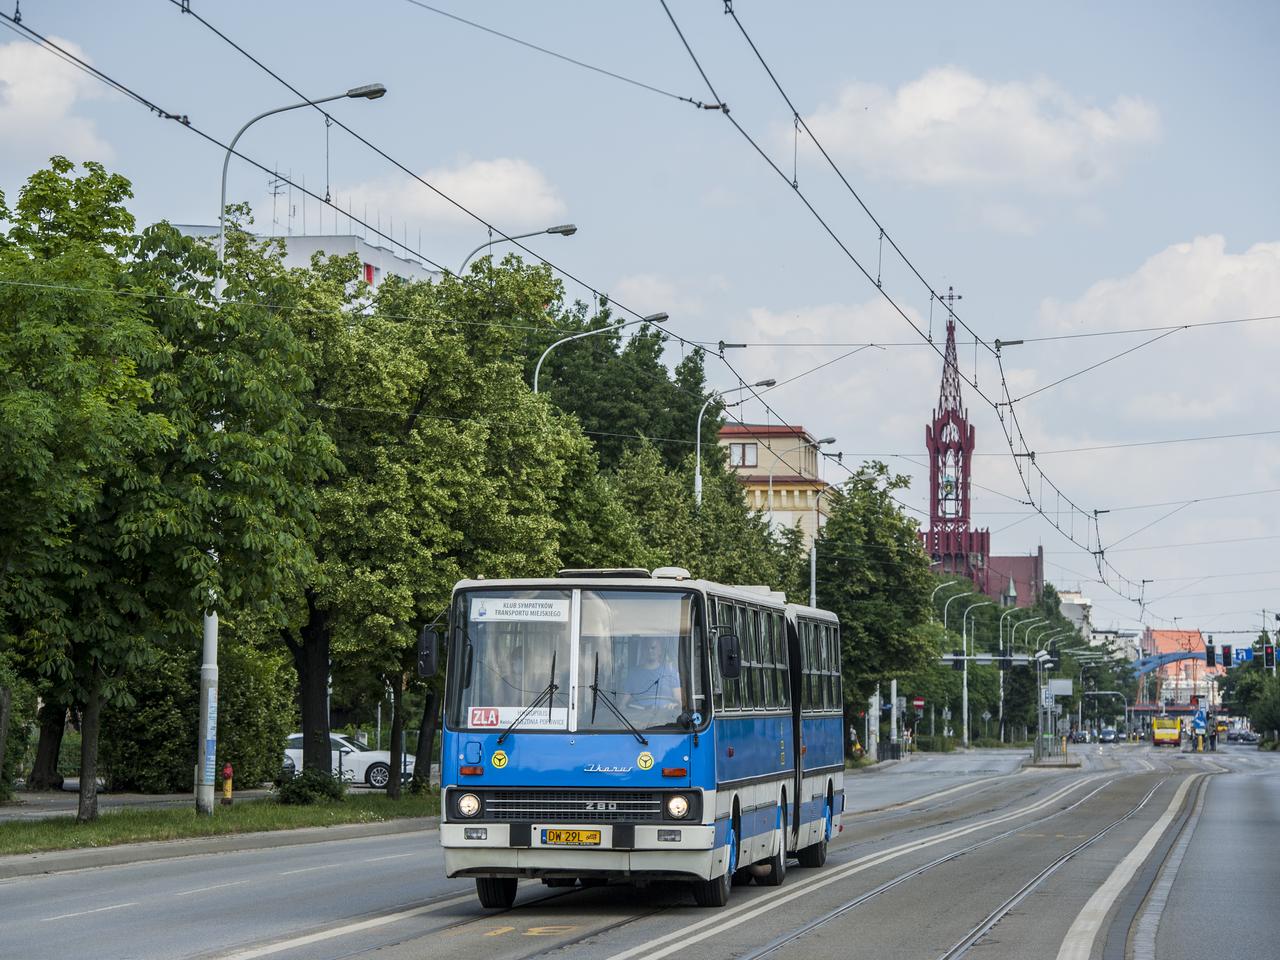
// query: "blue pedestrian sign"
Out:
[1242,654]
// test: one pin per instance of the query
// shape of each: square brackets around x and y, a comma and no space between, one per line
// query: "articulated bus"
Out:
[620,725]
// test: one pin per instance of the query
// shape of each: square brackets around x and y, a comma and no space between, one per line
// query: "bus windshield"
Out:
[637,660]
[511,652]
[511,660]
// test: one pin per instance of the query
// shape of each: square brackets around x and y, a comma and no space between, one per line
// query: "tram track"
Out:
[775,945]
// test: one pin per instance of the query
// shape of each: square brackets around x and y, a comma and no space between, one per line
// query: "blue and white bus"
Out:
[617,724]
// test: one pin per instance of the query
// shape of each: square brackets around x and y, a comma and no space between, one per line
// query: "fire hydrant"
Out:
[227,772]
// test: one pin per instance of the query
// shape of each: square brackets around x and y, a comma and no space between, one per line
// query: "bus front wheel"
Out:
[715,892]
[496,893]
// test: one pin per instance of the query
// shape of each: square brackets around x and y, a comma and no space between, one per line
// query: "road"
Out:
[1137,853]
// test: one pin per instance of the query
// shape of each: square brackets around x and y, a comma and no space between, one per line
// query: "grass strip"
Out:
[247,816]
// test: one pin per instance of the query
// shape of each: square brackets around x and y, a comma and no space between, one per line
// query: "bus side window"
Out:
[780,660]
[766,658]
[806,664]
[725,620]
[749,679]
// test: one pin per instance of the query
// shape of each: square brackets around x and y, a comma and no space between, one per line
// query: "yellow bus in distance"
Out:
[1166,731]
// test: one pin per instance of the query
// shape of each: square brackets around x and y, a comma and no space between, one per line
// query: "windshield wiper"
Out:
[548,693]
[596,691]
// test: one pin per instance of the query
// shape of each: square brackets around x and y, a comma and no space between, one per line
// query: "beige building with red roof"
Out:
[778,469]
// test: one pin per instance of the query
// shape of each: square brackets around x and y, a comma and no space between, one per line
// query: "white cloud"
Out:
[509,192]
[38,96]
[950,127]
[1009,218]
[649,293]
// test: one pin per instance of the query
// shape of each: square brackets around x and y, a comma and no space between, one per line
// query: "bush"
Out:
[22,713]
[150,746]
[311,786]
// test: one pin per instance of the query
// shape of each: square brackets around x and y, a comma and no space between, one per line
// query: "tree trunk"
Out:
[311,660]
[44,772]
[426,740]
[90,719]
[397,734]
[6,699]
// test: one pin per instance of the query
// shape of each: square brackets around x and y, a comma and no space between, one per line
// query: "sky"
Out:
[1071,172]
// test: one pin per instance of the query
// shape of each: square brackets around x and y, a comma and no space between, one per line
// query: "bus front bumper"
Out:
[484,849]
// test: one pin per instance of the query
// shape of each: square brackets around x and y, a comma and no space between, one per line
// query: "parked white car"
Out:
[358,763]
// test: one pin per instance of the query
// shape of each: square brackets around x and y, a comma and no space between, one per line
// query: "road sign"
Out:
[918,702]
[1243,654]
[986,715]
[1046,697]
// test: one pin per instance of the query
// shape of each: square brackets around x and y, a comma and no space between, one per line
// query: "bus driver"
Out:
[653,683]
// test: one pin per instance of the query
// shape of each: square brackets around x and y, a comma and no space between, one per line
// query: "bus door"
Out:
[796,664]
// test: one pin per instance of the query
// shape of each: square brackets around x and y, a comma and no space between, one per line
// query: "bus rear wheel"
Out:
[496,893]
[778,862]
[815,855]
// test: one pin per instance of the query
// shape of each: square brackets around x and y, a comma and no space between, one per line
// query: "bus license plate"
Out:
[571,838]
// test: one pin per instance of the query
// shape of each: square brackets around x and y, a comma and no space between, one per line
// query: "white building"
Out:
[376,262]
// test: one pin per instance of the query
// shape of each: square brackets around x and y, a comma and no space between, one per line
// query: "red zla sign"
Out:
[484,716]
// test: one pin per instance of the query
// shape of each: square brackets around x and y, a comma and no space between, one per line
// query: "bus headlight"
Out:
[678,807]
[468,805]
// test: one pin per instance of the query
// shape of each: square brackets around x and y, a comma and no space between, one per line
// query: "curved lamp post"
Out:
[206,742]
[964,640]
[697,443]
[652,318]
[368,91]
[563,230]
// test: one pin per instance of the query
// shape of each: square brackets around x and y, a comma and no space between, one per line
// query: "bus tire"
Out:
[778,862]
[496,893]
[815,855]
[715,892]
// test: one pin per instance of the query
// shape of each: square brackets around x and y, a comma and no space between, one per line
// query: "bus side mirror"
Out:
[428,652]
[729,652]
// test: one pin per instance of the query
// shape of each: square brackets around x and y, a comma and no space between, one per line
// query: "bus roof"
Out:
[612,580]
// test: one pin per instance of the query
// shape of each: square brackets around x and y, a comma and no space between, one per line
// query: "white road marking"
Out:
[216,886]
[1078,943]
[323,866]
[734,916]
[83,913]
[394,856]
[281,945]
[1144,938]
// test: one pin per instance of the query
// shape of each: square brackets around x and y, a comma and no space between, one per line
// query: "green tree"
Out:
[200,483]
[449,467]
[873,574]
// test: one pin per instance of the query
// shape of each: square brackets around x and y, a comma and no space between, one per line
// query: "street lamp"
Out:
[964,645]
[206,743]
[1000,724]
[949,583]
[947,605]
[368,91]
[697,443]
[1013,631]
[563,230]
[651,318]
[813,548]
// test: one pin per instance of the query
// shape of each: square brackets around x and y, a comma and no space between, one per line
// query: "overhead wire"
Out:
[1014,439]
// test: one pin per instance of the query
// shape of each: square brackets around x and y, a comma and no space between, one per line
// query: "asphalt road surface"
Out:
[1138,853]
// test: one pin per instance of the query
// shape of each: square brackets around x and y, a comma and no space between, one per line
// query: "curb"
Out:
[61,861]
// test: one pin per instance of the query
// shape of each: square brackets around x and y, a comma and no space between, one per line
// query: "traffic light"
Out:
[1210,655]
[1269,656]
[957,659]
[1226,654]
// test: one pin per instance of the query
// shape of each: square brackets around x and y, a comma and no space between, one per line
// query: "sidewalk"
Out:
[58,861]
[39,804]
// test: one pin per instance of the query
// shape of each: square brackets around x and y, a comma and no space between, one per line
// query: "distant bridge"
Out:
[1147,664]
